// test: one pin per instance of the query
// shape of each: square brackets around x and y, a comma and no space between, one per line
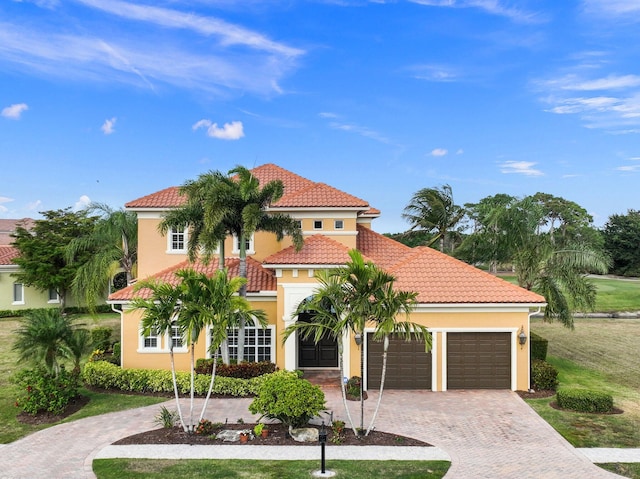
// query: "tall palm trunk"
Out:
[243,293]
[342,385]
[361,385]
[384,375]
[191,402]
[213,378]
[224,346]
[175,387]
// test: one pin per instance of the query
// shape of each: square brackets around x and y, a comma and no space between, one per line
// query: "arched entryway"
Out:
[323,354]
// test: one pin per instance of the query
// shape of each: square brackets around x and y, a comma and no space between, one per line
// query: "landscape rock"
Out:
[304,434]
[233,435]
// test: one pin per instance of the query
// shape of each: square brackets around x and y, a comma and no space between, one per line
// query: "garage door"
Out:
[408,366]
[478,360]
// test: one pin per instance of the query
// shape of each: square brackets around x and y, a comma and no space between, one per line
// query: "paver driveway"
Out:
[488,434]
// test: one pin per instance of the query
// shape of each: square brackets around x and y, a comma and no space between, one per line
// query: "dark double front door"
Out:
[324,354]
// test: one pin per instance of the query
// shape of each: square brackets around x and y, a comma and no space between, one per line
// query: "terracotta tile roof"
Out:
[8,226]
[439,278]
[298,192]
[7,254]
[167,198]
[258,278]
[317,249]
[383,251]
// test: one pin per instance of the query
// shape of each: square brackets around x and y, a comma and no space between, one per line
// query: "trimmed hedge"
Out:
[539,346]
[544,376]
[244,370]
[584,400]
[11,313]
[102,374]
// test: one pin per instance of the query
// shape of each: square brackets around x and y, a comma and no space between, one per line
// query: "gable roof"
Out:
[258,278]
[316,250]
[299,192]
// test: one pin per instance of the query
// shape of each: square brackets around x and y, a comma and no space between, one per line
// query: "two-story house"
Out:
[479,323]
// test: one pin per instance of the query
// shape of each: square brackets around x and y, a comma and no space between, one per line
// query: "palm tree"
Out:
[42,338]
[235,204]
[79,344]
[113,244]
[347,299]
[160,308]
[432,210]
[558,272]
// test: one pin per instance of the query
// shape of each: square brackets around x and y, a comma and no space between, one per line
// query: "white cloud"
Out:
[327,114]
[610,82]
[82,203]
[434,73]
[149,50]
[360,130]
[34,205]
[460,151]
[229,131]
[439,152]
[108,127]
[14,111]
[612,7]
[4,199]
[493,7]
[520,167]
[628,168]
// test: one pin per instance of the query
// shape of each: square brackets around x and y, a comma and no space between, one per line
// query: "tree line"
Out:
[549,242]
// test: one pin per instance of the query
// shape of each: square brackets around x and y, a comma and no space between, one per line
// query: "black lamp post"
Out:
[322,437]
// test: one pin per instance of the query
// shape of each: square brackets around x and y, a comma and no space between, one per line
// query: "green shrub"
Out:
[289,399]
[105,375]
[101,338]
[584,400]
[544,376]
[167,418]
[353,386]
[539,346]
[244,370]
[44,392]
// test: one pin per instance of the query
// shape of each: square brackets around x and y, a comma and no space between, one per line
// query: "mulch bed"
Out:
[278,436]
[47,418]
[544,393]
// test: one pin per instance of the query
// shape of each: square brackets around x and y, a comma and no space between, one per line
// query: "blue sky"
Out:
[110,100]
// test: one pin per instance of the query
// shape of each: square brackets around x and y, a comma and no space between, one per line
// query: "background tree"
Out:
[43,260]
[113,244]
[621,236]
[432,210]
[489,240]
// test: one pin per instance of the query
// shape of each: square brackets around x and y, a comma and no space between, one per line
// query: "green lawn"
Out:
[613,294]
[600,354]
[10,428]
[245,469]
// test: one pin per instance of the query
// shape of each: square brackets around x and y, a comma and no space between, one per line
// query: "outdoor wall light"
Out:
[358,339]
[522,337]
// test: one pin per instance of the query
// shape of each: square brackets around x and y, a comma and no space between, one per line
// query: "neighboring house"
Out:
[13,294]
[475,319]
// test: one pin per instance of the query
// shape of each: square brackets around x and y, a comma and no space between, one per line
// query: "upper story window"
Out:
[177,239]
[18,293]
[338,225]
[317,225]
[249,245]
[176,337]
[298,224]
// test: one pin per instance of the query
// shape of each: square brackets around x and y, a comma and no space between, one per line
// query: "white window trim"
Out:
[321,225]
[271,327]
[54,301]
[13,292]
[335,225]
[147,349]
[250,250]
[170,249]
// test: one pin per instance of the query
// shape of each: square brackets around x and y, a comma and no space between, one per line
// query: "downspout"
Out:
[529,344]
[121,312]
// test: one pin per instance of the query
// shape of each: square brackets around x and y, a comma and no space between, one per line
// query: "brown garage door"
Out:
[408,366]
[478,360]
